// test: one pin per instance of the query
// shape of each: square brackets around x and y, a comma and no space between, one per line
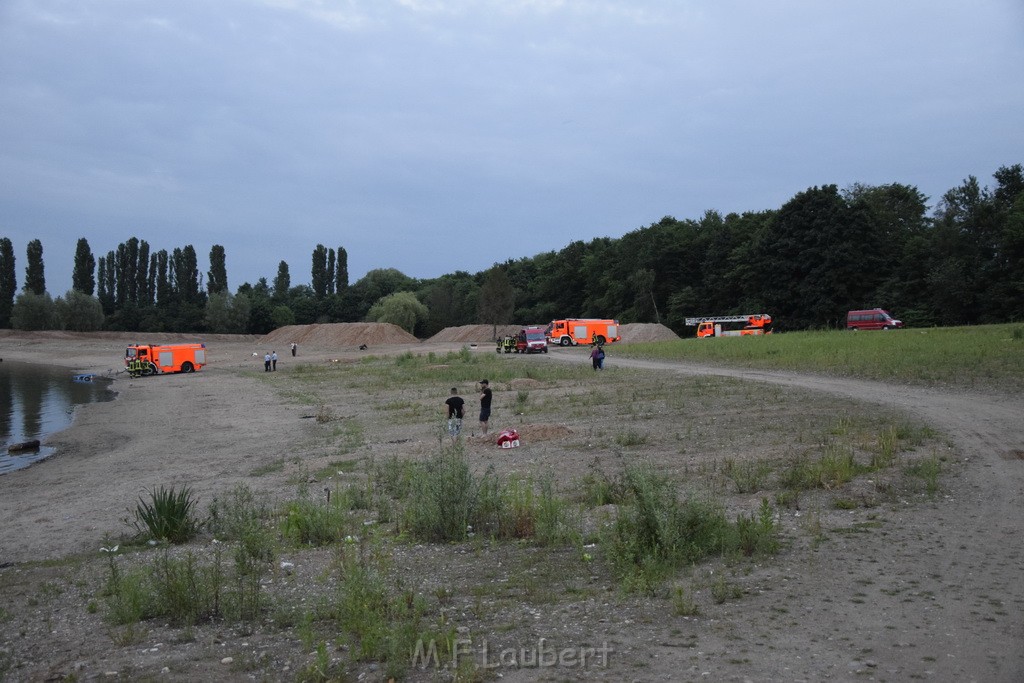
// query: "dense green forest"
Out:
[823,252]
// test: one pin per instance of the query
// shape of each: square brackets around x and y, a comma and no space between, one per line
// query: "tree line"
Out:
[823,252]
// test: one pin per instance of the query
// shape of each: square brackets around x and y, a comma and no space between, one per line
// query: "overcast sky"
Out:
[440,135]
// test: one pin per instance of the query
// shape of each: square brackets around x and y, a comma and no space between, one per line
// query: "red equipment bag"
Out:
[508,438]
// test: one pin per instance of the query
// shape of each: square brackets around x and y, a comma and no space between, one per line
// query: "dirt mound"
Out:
[535,433]
[333,335]
[528,434]
[646,332]
[474,333]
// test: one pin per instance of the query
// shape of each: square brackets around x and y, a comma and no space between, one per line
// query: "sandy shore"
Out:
[194,429]
[205,430]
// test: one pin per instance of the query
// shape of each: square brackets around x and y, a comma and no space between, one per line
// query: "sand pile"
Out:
[474,333]
[333,335]
[646,332]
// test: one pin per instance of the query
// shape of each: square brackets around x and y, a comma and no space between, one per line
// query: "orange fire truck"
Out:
[154,359]
[711,326]
[573,331]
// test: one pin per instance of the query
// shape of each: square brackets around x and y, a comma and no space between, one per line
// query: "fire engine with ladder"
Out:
[712,326]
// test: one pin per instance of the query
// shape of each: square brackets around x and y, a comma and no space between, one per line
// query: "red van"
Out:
[872,319]
[531,340]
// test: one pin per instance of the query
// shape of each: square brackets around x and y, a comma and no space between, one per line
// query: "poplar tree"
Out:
[217,277]
[143,293]
[283,281]
[8,281]
[319,271]
[102,292]
[186,274]
[120,288]
[35,281]
[83,279]
[164,291]
[341,271]
[110,280]
[151,280]
[330,271]
[131,270]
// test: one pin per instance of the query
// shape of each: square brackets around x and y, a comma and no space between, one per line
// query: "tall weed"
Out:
[184,590]
[747,475]
[315,522]
[758,534]
[834,468]
[243,517]
[441,498]
[928,471]
[659,533]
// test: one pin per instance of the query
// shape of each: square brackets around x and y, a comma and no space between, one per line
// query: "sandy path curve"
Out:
[972,557]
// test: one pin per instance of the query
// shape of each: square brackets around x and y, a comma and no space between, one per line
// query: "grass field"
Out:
[986,356]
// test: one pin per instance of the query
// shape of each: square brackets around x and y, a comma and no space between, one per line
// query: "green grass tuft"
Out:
[168,515]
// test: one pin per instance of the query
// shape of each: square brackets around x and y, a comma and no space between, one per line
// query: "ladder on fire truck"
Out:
[729,319]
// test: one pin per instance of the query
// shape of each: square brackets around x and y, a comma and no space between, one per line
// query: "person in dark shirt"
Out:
[485,405]
[456,408]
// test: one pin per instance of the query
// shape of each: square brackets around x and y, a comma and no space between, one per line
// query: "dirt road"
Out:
[971,562]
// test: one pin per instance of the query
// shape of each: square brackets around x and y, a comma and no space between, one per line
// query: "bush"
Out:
[79,312]
[34,312]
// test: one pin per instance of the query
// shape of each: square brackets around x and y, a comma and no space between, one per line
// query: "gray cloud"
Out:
[433,136]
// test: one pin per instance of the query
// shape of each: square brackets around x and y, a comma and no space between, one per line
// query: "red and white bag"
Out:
[508,438]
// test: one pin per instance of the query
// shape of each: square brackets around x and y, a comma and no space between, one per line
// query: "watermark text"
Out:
[542,655]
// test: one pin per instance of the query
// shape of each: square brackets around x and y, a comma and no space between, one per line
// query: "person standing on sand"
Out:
[266,362]
[295,349]
[485,405]
[273,361]
[456,407]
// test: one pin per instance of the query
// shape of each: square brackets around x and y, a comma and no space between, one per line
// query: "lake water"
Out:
[37,401]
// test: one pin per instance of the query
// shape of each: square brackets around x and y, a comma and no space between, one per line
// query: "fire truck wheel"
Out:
[599,340]
[187,367]
[565,341]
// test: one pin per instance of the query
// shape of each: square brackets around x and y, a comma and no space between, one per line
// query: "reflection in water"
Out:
[36,401]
